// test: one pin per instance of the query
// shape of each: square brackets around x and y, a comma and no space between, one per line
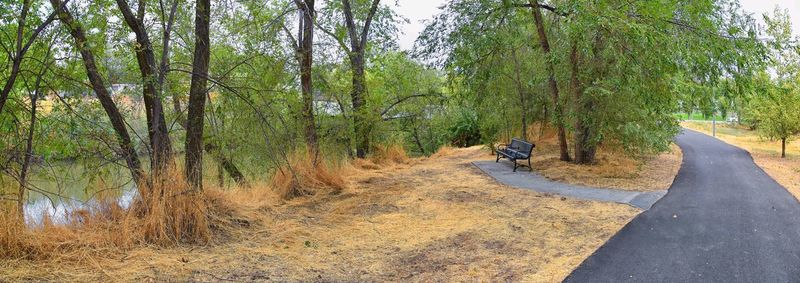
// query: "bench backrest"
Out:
[522,146]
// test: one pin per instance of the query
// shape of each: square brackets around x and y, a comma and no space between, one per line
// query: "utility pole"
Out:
[714,112]
[714,124]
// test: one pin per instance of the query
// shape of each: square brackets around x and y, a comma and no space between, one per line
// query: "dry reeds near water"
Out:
[169,213]
[165,213]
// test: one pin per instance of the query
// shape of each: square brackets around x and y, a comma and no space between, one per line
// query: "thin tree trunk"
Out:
[305,53]
[145,57]
[197,96]
[418,141]
[522,95]
[127,151]
[358,43]
[585,145]
[164,65]
[582,131]
[15,67]
[359,104]
[783,148]
[34,96]
[551,78]
[26,161]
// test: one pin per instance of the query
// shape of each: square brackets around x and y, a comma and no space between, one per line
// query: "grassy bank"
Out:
[765,153]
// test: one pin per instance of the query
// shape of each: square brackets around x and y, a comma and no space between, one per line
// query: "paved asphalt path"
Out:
[532,181]
[723,220]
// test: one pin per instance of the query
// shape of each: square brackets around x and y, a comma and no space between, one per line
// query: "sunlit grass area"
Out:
[699,116]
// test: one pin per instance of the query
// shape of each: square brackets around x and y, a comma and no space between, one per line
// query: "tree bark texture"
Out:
[197,96]
[551,79]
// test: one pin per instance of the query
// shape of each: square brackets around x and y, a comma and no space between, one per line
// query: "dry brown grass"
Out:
[765,153]
[431,219]
[165,214]
[12,229]
[613,169]
[305,175]
[389,154]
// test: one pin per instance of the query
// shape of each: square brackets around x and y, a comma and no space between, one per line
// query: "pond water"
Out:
[60,189]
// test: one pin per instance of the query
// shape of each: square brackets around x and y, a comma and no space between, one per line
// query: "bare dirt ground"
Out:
[765,153]
[422,220]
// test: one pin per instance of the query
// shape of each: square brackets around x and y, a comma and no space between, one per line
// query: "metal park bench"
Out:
[516,150]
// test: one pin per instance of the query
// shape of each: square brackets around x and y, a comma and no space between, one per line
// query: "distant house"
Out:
[117,89]
[326,105]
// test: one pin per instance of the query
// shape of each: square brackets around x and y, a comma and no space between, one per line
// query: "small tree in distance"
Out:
[776,98]
[775,112]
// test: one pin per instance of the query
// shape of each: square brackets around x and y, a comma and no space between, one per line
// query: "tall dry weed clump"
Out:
[444,151]
[13,234]
[168,212]
[385,154]
[382,156]
[165,213]
[305,174]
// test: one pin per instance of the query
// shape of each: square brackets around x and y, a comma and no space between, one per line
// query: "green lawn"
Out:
[698,116]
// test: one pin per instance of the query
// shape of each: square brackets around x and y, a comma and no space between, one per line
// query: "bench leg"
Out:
[515,165]
[498,158]
[530,168]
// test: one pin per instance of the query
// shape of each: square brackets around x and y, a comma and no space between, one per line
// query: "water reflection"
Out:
[67,187]
[58,209]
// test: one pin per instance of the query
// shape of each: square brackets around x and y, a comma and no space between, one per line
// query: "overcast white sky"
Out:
[419,10]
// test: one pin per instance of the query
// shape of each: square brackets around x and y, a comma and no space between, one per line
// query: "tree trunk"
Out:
[783,148]
[551,78]
[127,151]
[522,95]
[584,151]
[305,50]
[197,96]
[358,42]
[26,161]
[359,104]
[34,96]
[418,141]
[157,125]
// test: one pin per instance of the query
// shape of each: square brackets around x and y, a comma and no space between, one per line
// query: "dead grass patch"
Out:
[614,169]
[437,219]
[765,153]
[165,214]
[387,154]
[305,174]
